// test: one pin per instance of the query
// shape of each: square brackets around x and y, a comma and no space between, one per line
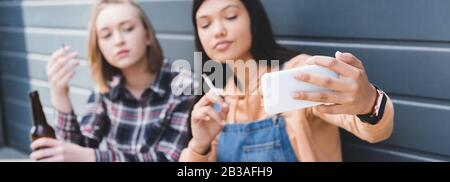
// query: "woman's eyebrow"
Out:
[125,22]
[223,9]
[104,29]
[230,6]
[120,24]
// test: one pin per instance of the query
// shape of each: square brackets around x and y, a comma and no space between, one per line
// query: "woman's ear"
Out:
[149,39]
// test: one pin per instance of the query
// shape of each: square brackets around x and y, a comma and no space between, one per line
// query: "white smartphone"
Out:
[279,87]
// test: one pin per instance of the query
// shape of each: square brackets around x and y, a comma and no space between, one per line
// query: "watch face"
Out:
[380,107]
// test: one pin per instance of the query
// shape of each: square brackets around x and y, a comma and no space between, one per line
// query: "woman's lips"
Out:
[223,46]
[122,54]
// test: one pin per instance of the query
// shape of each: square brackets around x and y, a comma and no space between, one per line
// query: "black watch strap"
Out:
[374,118]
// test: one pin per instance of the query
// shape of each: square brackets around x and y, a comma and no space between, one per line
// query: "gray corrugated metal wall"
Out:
[404,46]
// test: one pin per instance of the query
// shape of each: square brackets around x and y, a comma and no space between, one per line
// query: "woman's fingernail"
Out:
[296,95]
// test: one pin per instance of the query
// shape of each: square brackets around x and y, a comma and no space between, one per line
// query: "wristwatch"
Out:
[377,110]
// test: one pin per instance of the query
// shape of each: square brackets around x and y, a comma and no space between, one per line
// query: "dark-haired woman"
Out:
[239,30]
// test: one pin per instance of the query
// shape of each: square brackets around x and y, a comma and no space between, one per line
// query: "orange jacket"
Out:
[314,136]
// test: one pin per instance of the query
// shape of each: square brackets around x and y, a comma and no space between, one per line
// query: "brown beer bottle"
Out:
[40,127]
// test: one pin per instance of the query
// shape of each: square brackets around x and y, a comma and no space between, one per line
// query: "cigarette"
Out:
[215,91]
[63,47]
[210,85]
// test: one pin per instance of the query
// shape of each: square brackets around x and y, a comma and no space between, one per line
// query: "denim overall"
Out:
[259,141]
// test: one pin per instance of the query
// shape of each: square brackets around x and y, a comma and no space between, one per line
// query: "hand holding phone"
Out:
[278,87]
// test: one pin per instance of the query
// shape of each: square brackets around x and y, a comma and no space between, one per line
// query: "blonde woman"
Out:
[133,109]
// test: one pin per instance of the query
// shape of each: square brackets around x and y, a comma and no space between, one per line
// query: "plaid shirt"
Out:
[153,128]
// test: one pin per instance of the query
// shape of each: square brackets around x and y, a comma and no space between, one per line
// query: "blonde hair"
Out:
[103,72]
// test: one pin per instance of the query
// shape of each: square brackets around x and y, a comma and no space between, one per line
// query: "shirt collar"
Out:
[117,85]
